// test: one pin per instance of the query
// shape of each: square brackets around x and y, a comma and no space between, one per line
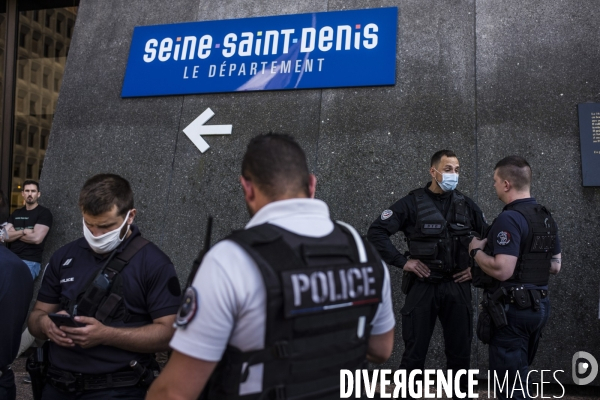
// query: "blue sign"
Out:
[302,51]
[589,134]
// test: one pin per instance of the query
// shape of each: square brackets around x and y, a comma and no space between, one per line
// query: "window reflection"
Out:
[44,38]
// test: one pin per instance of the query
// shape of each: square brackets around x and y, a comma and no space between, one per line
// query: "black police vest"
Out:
[441,242]
[322,294]
[533,264]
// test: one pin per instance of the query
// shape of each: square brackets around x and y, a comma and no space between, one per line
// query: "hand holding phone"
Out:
[64,320]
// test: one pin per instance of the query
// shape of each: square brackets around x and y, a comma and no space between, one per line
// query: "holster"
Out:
[484,326]
[37,367]
[408,280]
[494,305]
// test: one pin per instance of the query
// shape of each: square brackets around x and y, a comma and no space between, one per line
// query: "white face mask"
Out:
[109,241]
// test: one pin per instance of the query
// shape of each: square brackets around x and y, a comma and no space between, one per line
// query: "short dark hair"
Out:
[3,208]
[516,170]
[276,164]
[31,182]
[437,157]
[102,192]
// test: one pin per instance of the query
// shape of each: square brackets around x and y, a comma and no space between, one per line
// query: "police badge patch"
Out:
[386,214]
[188,309]
[503,238]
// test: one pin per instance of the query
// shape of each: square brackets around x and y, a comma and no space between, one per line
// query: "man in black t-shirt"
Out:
[28,228]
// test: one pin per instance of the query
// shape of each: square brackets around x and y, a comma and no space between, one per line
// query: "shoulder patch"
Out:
[188,309]
[503,238]
[386,214]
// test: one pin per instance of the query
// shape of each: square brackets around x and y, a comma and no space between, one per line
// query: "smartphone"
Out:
[65,320]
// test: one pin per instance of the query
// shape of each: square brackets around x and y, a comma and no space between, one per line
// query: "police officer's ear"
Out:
[433,172]
[132,215]
[312,185]
[248,188]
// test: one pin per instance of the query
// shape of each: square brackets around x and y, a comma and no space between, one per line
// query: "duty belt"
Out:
[76,383]
[439,276]
[526,298]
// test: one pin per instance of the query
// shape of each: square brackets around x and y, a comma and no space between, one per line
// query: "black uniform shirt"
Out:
[150,288]
[16,290]
[402,216]
[27,219]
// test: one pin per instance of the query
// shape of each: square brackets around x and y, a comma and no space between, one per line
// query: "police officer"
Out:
[283,305]
[523,249]
[436,221]
[120,287]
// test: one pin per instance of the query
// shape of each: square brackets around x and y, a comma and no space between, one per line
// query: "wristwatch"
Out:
[473,252]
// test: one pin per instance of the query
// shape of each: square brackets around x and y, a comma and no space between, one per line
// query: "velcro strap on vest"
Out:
[326,251]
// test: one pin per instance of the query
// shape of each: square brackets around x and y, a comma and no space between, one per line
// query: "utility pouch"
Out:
[423,250]
[484,326]
[536,298]
[408,280]
[520,297]
[37,367]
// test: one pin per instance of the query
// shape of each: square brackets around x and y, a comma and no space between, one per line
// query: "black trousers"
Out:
[426,302]
[8,390]
[513,348]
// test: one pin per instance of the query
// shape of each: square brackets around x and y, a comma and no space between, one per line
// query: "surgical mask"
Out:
[449,181]
[105,243]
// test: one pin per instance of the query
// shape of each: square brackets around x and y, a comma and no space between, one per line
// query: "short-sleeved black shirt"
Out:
[16,290]
[27,219]
[150,288]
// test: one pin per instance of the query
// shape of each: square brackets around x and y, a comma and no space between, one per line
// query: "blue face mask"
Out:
[449,181]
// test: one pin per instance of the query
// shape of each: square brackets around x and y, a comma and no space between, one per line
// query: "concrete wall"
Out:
[484,78]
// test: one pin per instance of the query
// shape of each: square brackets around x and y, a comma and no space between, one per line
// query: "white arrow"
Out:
[197,128]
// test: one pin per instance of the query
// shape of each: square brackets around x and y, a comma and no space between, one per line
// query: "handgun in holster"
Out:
[37,367]
[146,374]
[495,307]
